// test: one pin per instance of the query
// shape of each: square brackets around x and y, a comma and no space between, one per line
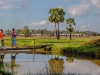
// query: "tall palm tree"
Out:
[70,21]
[60,17]
[52,17]
[57,15]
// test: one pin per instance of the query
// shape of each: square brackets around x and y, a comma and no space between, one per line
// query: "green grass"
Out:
[4,69]
[82,46]
[88,49]
[58,44]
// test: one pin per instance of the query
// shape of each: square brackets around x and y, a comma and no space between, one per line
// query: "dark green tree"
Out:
[26,31]
[70,21]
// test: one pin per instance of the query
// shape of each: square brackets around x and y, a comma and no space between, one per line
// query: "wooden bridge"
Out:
[26,48]
[15,51]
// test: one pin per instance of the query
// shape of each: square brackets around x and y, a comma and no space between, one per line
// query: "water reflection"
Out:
[70,59]
[59,64]
[56,65]
[13,65]
[1,57]
[97,62]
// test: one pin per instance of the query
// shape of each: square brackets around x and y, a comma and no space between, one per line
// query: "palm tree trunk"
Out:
[70,31]
[58,32]
[70,36]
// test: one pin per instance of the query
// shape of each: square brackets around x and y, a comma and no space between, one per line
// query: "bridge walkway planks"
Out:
[26,48]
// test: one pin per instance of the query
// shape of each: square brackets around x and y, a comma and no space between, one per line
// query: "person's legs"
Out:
[2,43]
[12,43]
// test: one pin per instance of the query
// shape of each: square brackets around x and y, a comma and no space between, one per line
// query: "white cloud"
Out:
[79,9]
[96,3]
[24,1]
[42,23]
[51,24]
[84,25]
[8,7]
[84,1]
[10,4]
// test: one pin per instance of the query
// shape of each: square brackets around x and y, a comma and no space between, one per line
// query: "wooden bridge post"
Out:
[33,50]
[34,45]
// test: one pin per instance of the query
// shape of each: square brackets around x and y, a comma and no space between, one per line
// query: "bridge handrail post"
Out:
[34,45]
[33,50]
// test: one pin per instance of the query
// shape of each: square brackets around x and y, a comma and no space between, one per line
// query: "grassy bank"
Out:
[81,46]
[87,49]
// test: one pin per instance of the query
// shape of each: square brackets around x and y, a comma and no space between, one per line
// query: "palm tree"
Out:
[61,14]
[57,15]
[70,21]
[53,18]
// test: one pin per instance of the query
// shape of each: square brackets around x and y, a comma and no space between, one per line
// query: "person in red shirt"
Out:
[1,38]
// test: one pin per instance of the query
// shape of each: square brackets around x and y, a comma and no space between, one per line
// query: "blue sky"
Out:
[34,14]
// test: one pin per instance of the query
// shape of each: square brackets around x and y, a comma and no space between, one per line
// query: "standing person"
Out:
[13,38]
[1,38]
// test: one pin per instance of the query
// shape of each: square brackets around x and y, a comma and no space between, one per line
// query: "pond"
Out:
[34,64]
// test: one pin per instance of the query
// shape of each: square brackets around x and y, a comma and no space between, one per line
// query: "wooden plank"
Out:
[25,48]
[43,45]
[20,48]
[18,52]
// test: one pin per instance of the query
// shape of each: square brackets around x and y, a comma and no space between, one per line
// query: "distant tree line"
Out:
[27,32]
